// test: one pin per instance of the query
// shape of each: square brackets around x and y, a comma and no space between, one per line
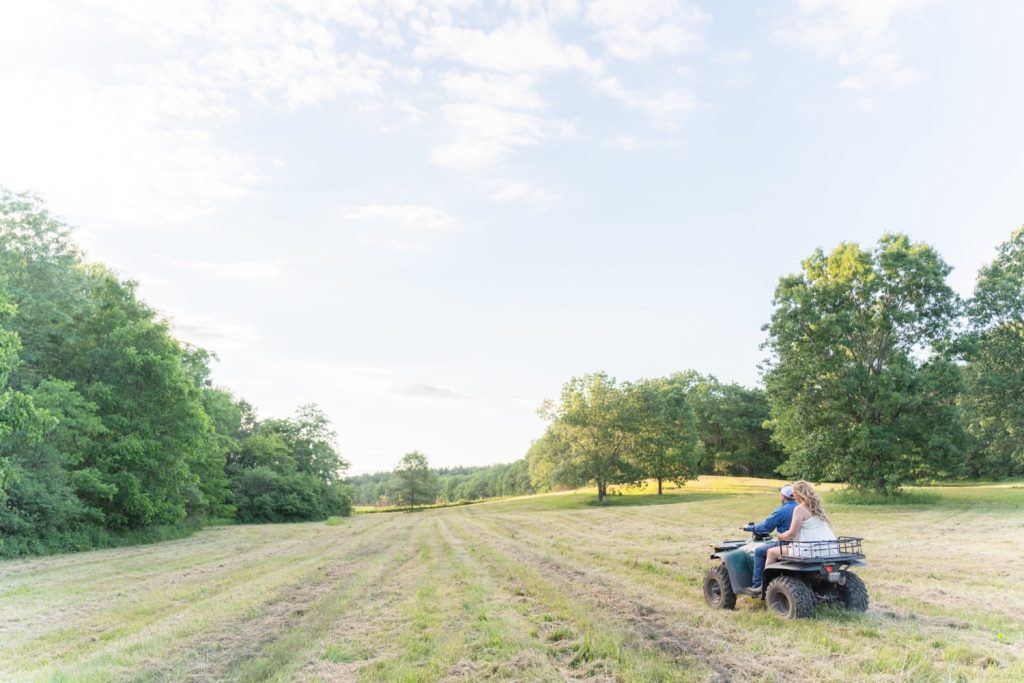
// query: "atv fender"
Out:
[811,566]
[741,569]
[792,567]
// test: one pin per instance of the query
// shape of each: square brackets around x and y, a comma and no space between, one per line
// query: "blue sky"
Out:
[426,217]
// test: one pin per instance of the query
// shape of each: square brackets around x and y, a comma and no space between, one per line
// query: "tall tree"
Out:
[666,446]
[994,345]
[416,483]
[55,495]
[311,442]
[16,410]
[731,423]
[592,435]
[858,392]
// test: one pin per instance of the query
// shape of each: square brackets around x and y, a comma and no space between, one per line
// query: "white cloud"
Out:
[109,152]
[214,333]
[130,134]
[500,90]
[520,192]
[665,109]
[484,135]
[122,108]
[511,48]
[857,34]
[236,270]
[629,143]
[733,57]
[641,29]
[404,216]
[361,380]
[390,244]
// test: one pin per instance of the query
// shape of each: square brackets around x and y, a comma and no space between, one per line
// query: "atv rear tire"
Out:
[854,594]
[718,588]
[790,598]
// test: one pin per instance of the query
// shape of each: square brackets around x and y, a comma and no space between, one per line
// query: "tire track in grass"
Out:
[167,626]
[39,593]
[116,628]
[587,643]
[503,642]
[418,641]
[348,644]
[440,620]
[814,653]
[296,625]
[625,603]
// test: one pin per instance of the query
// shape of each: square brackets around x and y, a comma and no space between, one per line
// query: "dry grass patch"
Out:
[544,588]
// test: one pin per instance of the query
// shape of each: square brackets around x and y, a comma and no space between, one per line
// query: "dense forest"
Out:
[110,428]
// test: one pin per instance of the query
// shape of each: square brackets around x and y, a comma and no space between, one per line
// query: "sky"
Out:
[427,216]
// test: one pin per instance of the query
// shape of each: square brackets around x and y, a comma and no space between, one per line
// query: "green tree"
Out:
[17,412]
[665,445]
[43,273]
[130,367]
[994,348]
[731,424]
[55,496]
[415,482]
[857,388]
[285,470]
[592,436]
[311,443]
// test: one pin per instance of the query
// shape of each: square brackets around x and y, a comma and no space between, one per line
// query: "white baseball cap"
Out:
[787,491]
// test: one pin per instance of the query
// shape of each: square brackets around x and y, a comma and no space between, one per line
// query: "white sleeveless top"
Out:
[814,529]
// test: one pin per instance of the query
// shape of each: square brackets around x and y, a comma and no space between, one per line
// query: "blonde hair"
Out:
[812,501]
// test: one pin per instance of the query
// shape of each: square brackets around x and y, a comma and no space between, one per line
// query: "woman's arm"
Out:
[799,515]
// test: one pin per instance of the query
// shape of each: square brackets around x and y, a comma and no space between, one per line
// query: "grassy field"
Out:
[546,588]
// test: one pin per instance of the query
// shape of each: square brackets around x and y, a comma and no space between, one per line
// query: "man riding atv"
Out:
[779,521]
[811,566]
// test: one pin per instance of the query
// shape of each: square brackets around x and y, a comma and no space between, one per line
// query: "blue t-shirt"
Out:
[778,520]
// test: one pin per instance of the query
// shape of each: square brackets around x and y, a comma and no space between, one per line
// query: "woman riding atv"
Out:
[809,524]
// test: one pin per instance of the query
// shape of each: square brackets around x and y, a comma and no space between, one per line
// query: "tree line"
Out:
[414,482]
[878,375]
[668,429]
[109,426]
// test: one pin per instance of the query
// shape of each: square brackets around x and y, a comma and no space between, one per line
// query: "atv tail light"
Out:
[828,568]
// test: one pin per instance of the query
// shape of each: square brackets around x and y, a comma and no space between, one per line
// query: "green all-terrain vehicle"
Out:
[813,572]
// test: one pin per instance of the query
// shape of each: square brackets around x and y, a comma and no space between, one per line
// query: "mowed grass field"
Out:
[546,588]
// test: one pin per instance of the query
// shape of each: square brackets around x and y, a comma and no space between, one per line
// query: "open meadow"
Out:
[545,588]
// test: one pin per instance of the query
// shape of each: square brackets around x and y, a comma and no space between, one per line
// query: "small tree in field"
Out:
[665,443]
[590,436]
[415,482]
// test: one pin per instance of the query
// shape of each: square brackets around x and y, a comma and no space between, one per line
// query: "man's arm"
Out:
[771,523]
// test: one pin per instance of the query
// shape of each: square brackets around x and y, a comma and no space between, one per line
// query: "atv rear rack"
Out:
[841,549]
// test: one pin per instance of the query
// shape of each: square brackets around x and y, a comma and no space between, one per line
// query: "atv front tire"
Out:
[718,591]
[790,598]
[854,594]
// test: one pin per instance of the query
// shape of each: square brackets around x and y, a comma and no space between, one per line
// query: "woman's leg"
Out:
[773,555]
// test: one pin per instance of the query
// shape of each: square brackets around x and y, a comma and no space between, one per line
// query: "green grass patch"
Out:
[854,497]
[339,654]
